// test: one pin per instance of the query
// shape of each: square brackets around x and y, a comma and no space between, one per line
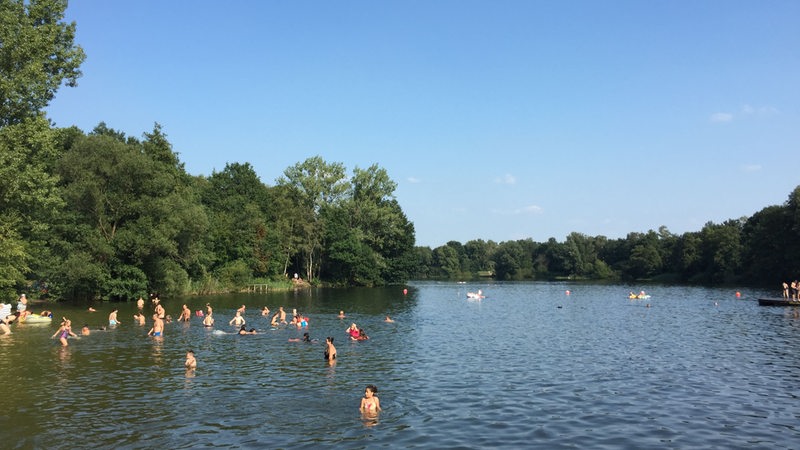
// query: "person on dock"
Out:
[785,290]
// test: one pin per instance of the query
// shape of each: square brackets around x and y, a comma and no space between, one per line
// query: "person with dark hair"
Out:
[243,330]
[330,350]
[370,404]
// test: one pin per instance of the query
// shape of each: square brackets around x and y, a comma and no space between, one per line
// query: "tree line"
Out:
[107,216]
[760,250]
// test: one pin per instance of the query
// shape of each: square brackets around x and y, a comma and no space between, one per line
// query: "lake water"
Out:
[528,366]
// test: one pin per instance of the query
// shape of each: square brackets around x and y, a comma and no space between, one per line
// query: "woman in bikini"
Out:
[370,404]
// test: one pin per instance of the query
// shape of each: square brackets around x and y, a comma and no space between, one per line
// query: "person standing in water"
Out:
[282,314]
[112,318]
[158,327]
[186,314]
[64,332]
[370,404]
[237,320]
[330,350]
[191,362]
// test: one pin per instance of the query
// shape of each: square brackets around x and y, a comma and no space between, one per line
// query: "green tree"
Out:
[37,55]
[445,260]
[237,203]
[29,200]
[765,239]
[129,214]
[316,185]
[423,268]
[721,251]
[477,254]
[793,236]
[369,241]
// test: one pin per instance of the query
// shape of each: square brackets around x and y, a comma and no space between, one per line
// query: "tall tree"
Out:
[133,223]
[237,201]
[37,55]
[317,185]
[29,199]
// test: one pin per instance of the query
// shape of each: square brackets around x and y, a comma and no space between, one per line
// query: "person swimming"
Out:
[306,338]
[243,330]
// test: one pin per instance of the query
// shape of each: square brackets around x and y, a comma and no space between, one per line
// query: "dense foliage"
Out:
[120,217]
[759,250]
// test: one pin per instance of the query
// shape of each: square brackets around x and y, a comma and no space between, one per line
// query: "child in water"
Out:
[191,362]
[370,404]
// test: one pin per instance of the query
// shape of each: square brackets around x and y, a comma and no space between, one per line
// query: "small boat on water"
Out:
[778,302]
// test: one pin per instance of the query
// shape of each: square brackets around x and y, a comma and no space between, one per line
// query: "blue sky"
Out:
[498,120]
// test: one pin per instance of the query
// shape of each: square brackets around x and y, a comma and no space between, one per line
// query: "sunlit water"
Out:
[528,366]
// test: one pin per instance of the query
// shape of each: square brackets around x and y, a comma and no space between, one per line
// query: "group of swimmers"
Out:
[370,404]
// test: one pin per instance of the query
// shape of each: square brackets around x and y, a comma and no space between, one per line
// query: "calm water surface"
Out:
[528,366]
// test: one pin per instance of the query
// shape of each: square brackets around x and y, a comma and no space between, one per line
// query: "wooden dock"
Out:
[257,288]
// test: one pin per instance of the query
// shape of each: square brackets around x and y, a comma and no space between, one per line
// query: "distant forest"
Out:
[760,250]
